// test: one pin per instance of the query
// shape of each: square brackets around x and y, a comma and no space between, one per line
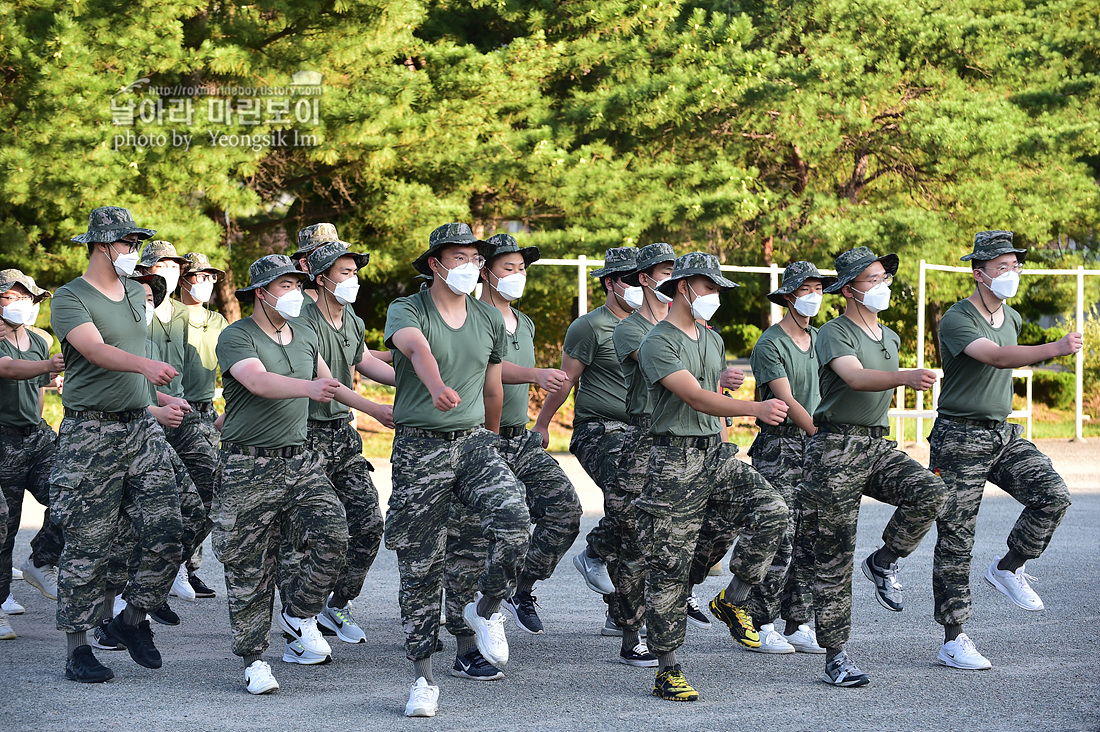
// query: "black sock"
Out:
[590,554]
[1011,562]
[466,644]
[792,626]
[831,653]
[337,602]
[884,558]
[951,632]
[525,583]
[251,658]
[486,606]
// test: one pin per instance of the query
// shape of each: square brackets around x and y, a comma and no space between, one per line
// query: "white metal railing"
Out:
[899,413]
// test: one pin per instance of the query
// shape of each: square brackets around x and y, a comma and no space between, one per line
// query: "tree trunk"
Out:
[224,293]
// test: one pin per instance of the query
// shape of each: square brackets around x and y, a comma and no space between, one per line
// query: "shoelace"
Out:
[641,649]
[495,626]
[693,602]
[309,628]
[891,574]
[1023,579]
[772,636]
[742,617]
[845,667]
[965,644]
[343,614]
[675,679]
[525,601]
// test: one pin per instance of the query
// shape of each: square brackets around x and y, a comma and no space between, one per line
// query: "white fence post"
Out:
[582,285]
[1079,416]
[776,312]
[920,349]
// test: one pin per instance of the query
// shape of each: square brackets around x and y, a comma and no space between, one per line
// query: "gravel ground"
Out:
[1046,667]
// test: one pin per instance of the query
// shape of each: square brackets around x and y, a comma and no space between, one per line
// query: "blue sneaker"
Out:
[474,666]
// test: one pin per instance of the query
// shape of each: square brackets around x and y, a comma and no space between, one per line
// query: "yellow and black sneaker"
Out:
[670,684]
[737,618]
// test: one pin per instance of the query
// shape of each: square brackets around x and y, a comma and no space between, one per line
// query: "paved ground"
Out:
[1046,665]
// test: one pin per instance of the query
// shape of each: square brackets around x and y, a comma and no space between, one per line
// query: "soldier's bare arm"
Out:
[376,369]
[1014,357]
[349,398]
[87,339]
[573,370]
[858,378]
[412,343]
[549,379]
[493,394]
[253,376]
[781,387]
[686,387]
[20,370]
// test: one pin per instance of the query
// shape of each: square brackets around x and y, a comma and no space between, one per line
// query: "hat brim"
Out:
[304,252]
[157,283]
[668,287]
[1021,254]
[778,298]
[149,263]
[890,263]
[617,272]
[209,270]
[632,278]
[420,264]
[248,294]
[110,236]
[37,293]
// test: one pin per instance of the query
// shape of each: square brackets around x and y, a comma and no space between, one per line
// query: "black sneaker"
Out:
[200,588]
[165,615]
[100,638]
[85,668]
[695,614]
[474,666]
[639,656]
[888,591]
[521,606]
[138,640]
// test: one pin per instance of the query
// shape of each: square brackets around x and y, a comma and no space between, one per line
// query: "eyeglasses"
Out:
[133,245]
[12,297]
[877,280]
[460,259]
[1017,268]
[203,277]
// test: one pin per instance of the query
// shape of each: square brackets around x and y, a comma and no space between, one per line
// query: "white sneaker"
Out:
[296,652]
[43,579]
[16,574]
[119,606]
[12,607]
[6,632]
[259,679]
[304,630]
[488,634]
[1014,585]
[772,641]
[423,699]
[181,586]
[340,622]
[804,640]
[961,653]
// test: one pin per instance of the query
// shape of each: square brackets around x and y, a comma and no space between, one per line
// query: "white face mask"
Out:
[704,307]
[634,297]
[171,279]
[661,297]
[511,286]
[808,305]
[149,312]
[124,264]
[1005,286]
[462,279]
[290,304]
[877,298]
[20,313]
[202,291]
[345,292]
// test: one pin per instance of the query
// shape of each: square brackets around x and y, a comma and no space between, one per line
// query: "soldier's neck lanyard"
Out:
[881,340]
[986,307]
[328,319]
[278,334]
[167,331]
[15,342]
[204,324]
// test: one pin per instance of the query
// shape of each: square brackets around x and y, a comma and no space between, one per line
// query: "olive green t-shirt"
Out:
[629,334]
[463,355]
[972,389]
[253,420]
[19,406]
[777,356]
[520,350]
[121,324]
[839,402]
[342,350]
[666,350]
[171,340]
[601,393]
[200,362]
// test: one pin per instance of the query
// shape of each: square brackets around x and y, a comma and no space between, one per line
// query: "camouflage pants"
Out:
[256,499]
[103,471]
[196,443]
[428,472]
[555,512]
[598,447]
[685,484]
[125,555]
[787,589]
[25,465]
[340,449]
[839,469]
[965,456]
[627,605]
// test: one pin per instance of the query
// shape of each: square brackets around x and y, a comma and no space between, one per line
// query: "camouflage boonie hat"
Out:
[314,236]
[198,262]
[618,261]
[696,263]
[155,251]
[263,271]
[850,264]
[9,277]
[108,224]
[992,244]
[506,244]
[793,276]
[450,235]
[157,283]
[650,256]
[323,257]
